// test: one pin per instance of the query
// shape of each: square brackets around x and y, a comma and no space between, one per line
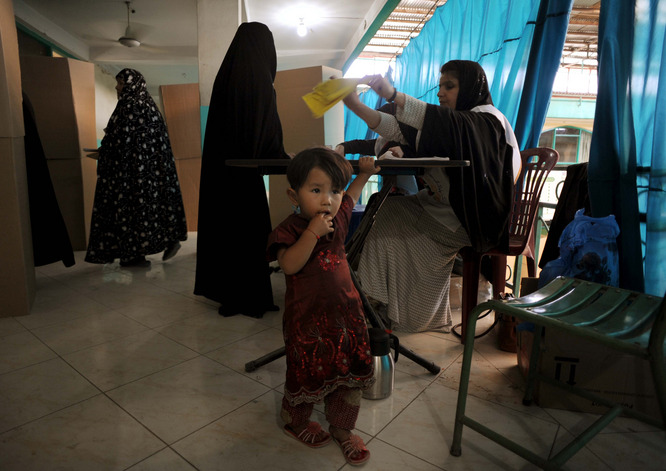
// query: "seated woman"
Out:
[408,256]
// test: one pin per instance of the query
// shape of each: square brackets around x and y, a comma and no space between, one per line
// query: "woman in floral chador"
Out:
[138,208]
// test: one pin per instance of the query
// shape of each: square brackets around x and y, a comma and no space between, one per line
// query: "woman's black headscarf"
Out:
[481,194]
[473,84]
[234,219]
[243,121]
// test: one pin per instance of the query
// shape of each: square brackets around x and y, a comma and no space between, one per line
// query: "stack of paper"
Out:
[325,95]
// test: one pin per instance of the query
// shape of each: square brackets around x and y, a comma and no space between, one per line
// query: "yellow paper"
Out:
[325,95]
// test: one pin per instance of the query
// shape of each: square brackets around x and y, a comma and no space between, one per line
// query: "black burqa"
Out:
[481,194]
[50,239]
[234,219]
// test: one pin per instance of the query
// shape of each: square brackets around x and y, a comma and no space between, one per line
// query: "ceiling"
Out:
[409,16]
[167,30]
[580,46]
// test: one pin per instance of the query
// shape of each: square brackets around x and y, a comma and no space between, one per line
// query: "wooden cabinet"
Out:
[62,94]
[182,116]
[300,129]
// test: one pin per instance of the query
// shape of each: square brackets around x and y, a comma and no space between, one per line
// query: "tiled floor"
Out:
[127,369]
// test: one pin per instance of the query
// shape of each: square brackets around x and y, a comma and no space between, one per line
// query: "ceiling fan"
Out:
[128,39]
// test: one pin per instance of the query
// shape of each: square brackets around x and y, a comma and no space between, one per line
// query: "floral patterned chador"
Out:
[325,331]
[138,208]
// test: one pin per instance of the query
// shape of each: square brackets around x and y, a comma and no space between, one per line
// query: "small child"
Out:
[325,331]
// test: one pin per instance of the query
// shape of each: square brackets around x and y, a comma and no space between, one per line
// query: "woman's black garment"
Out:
[480,194]
[574,196]
[50,239]
[360,146]
[138,208]
[367,146]
[234,219]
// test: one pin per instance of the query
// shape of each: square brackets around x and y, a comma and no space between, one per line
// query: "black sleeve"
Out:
[360,146]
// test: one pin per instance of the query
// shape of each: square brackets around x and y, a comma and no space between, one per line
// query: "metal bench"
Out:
[626,321]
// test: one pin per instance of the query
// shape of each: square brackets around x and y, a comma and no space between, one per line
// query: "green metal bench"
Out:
[625,321]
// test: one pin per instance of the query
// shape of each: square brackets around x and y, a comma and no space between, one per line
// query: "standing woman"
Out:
[408,255]
[234,220]
[138,208]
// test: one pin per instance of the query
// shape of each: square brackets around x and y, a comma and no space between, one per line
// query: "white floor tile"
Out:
[91,435]
[122,361]
[35,391]
[127,369]
[180,400]
[22,349]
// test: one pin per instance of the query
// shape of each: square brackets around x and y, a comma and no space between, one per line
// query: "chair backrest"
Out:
[536,165]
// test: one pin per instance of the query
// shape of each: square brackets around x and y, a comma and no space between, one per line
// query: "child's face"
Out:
[317,195]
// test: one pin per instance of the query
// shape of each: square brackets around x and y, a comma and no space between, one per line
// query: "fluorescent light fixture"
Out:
[301,29]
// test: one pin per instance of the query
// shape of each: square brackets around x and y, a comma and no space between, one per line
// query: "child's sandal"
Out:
[354,450]
[312,435]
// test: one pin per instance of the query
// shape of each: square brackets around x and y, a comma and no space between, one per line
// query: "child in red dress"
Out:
[325,331]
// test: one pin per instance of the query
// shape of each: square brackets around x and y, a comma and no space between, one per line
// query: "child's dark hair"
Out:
[332,163]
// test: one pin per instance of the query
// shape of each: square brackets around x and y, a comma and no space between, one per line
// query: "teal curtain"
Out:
[550,32]
[627,160]
[518,43]
[355,127]
[495,33]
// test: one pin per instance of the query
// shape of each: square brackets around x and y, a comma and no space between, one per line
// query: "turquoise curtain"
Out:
[355,127]
[550,32]
[627,160]
[495,33]
[518,43]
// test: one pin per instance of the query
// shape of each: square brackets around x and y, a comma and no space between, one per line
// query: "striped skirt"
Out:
[406,263]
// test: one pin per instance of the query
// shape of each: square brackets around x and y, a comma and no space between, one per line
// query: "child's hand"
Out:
[367,165]
[321,224]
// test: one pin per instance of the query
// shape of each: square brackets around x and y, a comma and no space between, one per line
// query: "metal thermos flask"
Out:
[384,369]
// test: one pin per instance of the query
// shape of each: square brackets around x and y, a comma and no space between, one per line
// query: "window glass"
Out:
[573,144]
[567,146]
[546,139]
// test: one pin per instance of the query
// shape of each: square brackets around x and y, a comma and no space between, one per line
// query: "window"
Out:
[573,144]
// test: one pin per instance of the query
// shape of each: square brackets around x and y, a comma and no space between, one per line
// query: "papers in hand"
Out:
[389,156]
[327,94]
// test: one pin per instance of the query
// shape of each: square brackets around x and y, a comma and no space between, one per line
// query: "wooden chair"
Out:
[536,165]
[626,321]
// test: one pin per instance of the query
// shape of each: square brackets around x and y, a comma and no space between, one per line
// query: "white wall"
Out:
[105,99]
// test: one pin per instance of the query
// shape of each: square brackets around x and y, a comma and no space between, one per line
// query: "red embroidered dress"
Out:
[325,331]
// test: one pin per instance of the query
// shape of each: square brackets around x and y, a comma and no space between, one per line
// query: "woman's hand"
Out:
[396,151]
[380,85]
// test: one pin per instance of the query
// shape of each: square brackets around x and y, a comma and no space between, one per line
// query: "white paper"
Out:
[389,156]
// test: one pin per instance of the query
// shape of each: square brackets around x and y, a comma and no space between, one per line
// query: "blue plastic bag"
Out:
[588,251]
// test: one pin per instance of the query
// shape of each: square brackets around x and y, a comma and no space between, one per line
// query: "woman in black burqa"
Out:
[234,219]
[50,239]
[138,208]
